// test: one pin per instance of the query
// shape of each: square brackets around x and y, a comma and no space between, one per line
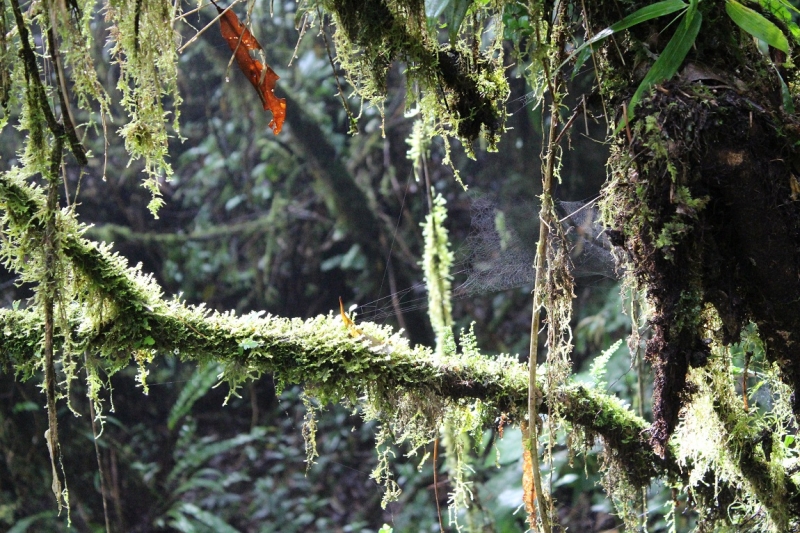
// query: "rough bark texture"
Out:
[708,217]
[705,199]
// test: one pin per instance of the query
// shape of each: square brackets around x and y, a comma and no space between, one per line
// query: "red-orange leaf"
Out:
[245,46]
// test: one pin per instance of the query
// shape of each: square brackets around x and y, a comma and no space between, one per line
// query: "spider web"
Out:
[500,250]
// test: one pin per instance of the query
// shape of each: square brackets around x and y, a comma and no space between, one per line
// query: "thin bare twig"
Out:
[203,30]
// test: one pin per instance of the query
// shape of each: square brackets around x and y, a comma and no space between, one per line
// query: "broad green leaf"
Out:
[782,10]
[756,25]
[22,526]
[209,519]
[581,59]
[455,16]
[659,9]
[197,456]
[454,12]
[671,58]
[691,11]
[784,3]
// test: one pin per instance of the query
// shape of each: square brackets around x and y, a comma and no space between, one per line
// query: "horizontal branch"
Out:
[321,353]
[117,232]
[120,313]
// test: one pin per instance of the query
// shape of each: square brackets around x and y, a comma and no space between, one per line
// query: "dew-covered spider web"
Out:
[501,247]
[499,253]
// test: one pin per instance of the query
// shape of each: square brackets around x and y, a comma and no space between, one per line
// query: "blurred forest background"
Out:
[248,226]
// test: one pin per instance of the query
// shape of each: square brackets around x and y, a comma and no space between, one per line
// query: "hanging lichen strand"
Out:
[462,86]
[144,47]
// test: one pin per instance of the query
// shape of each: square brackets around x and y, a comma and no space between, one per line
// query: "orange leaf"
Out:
[244,46]
[348,322]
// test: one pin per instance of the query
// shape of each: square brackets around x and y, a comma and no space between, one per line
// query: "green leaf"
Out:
[249,344]
[202,380]
[782,9]
[455,16]
[148,341]
[454,12]
[197,456]
[757,25]
[434,8]
[770,4]
[21,526]
[691,11]
[786,96]
[670,59]
[659,9]
[598,368]
[583,55]
[209,519]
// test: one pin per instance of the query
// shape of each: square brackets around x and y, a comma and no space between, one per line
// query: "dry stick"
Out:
[544,234]
[49,244]
[340,93]
[640,382]
[203,30]
[398,311]
[32,72]
[63,97]
[436,481]
[48,289]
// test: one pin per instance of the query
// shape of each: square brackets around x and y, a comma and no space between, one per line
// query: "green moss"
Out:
[460,89]
[144,48]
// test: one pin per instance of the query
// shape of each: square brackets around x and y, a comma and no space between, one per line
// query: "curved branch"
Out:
[320,353]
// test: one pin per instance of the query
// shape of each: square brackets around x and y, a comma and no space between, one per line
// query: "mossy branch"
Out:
[321,353]
[377,366]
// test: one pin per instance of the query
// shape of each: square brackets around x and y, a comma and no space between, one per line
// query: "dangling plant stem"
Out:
[545,220]
[539,267]
[100,469]
[48,291]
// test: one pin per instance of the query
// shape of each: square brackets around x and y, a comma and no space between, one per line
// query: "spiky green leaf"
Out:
[671,58]
[659,9]
[757,25]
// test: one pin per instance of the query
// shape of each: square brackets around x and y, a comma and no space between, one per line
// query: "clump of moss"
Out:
[463,87]
[655,219]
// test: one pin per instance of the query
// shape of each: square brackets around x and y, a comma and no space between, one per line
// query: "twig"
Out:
[202,31]
[32,72]
[436,482]
[191,12]
[47,290]
[544,235]
[567,125]
[341,95]
[63,97]
[100,470]
[303,26]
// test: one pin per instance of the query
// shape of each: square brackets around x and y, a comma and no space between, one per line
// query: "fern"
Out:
[598,368]
[202,380]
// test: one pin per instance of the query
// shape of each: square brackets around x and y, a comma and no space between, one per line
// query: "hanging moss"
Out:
[468,87]
[144,48]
